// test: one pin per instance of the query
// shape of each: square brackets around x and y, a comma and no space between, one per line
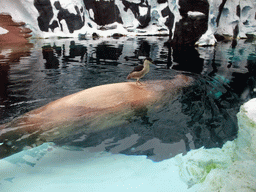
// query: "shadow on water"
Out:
[202,114]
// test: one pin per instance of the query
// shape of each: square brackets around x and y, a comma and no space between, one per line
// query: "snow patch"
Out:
[195,14]
[3,31]
[91,13]
[143,11]
[207,39]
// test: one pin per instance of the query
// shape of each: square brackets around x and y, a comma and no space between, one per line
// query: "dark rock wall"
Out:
[190,28]
[74,21]
[45,11]
[193,5]
[104,12]
[166,12]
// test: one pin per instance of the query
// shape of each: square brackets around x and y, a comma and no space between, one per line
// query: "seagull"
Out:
[141,70]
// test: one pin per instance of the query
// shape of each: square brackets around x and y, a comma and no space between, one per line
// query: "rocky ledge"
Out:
[14,32]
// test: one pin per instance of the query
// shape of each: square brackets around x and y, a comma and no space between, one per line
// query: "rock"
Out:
[189,30]
[108,27]
[81,36]
[186,6]
[46,14]
[73,21]
[193,24]
[16,33]
[250,36]
[189,21]
[166,12]
[246,140]
[207,39]
[103,12]
[155,16]
[117,35]
[95,36]
[45,11]
[141,11]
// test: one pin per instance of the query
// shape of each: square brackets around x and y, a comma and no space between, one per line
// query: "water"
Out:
[202,114]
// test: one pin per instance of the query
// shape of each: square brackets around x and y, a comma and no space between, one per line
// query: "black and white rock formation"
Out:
[187,22]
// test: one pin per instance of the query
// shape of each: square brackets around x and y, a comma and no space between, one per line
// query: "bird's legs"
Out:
[138,82]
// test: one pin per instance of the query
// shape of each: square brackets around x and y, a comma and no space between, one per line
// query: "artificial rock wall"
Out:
[185,21]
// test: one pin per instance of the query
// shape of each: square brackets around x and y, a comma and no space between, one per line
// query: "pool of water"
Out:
[202,114]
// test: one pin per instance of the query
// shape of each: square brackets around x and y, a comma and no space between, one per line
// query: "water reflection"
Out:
[10,59]
[231,66]
[108,53]
[185,59]
[52,61]
[203,114]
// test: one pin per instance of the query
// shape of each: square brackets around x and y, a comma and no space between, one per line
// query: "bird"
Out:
[141,70]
